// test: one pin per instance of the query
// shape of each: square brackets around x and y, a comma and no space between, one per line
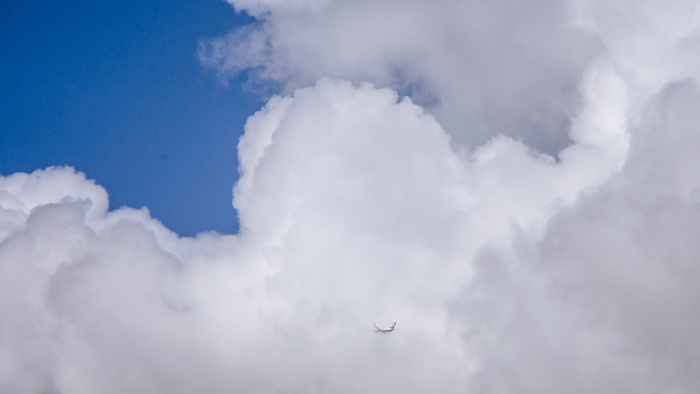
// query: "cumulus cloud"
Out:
[604,302]
[515,186]
[483,68]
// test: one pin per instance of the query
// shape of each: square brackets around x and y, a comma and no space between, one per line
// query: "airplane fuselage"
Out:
[385,330]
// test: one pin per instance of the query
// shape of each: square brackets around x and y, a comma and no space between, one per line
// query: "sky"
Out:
[115,90]
[515,186]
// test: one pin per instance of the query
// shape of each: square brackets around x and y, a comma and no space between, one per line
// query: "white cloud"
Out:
[604,302]
[528,217]
[483,68]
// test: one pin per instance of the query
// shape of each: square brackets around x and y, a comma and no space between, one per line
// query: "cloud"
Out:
[604,301]
[514,186]
[483,68]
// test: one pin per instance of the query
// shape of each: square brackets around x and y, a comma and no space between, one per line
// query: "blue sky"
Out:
[114,88]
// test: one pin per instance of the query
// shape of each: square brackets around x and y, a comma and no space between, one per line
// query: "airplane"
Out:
[385,330]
